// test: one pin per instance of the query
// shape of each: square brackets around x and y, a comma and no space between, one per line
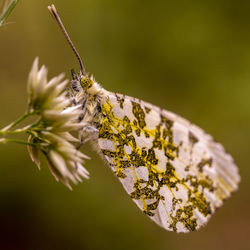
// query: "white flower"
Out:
[34,151]
[62,120]
[51,133]
[65,161]
[44,95]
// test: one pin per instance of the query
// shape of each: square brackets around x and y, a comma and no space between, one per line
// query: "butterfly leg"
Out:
[71,95]
[83,110]
[75,83]
[88,133]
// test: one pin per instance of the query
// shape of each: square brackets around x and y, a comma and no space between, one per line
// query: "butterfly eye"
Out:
[86,83]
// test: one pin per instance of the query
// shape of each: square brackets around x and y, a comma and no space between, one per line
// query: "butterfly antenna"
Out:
[55,15]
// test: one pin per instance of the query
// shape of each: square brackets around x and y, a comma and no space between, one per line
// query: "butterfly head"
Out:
[84,82]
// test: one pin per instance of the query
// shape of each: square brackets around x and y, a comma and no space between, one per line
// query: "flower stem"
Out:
[17,141]
[14,132]
[7,11]
[13,124]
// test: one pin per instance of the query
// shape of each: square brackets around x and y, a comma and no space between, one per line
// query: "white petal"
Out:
[67,136]
[55,87]
[72,109]
[80,154]
[58,162]
[34,153]
[41,81]
[82,172]
[53,172]
[32,75]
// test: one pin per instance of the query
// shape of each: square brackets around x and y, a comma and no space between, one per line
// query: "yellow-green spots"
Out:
[125,133]
[168,123]
[147,110]
[185,216]
[175,202]
[120,100]
[86,82]
[196,200]
[151,157]
[192,138]
[203,163]
[157,142]
[139,114]
[171,151]
[146,193]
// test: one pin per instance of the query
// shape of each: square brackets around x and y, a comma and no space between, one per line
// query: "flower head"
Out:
[65,162]
[43,95]
[51,133]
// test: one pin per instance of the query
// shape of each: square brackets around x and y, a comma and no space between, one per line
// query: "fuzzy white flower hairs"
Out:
[50,133]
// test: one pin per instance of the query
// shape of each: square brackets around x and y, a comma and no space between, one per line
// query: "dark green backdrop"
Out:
[191,57]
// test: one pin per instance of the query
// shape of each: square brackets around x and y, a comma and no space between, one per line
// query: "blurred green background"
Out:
[190,57]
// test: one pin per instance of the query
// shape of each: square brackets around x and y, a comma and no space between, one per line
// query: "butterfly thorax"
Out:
[90,96]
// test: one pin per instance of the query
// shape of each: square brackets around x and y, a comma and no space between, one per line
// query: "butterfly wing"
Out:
[175,173]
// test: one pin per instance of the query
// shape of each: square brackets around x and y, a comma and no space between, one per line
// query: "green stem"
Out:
[13,124]
[14,132]
[18,141]
[7,11]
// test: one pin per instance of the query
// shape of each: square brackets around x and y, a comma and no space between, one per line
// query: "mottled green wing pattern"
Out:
[174,172]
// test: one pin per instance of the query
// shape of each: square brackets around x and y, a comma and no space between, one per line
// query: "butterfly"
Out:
[174,171]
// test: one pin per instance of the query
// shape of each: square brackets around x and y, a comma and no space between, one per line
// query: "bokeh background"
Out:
[191,57]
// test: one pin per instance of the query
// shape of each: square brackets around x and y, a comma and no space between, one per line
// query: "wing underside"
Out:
[174,172]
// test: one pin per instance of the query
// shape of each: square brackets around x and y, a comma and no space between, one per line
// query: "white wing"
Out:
[175,173]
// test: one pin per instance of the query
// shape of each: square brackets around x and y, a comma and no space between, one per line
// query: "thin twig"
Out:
[7,10]
[13,124]
[5,140]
